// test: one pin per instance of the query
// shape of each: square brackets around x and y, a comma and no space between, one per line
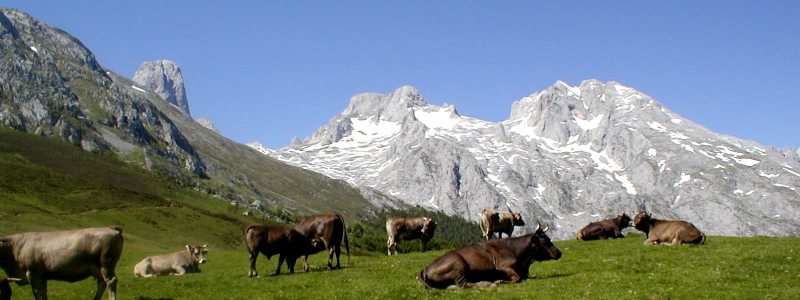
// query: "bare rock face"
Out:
[164,78]
[567,156]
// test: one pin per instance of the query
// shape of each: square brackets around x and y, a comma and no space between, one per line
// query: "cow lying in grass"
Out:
[177,263]
[667,232]
[490,262]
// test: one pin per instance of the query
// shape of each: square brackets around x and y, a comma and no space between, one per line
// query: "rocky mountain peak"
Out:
[164,78]
[393,106]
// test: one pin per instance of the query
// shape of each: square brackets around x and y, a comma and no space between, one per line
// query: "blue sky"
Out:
[272,70]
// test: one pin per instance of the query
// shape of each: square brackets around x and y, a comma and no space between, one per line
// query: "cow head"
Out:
[428,227]
[542,246]
[624,221]
[516,219]
[198,253]
[642,221]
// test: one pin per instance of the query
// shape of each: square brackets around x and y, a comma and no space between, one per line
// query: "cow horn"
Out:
[10,279]
[546,228]
[537,227]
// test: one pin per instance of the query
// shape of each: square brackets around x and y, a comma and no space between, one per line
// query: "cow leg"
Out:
[510,273]
[389,245]
[38,285]
[337,251]
[305,263]
[107,278]
[423,244]
[253,259]
[281,258]
[101,287]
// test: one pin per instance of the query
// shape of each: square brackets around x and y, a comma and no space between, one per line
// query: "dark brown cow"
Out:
[36,257]
[492,221]
[408,229]
[605,229]
[496,261]
[328,228]
[5,288]
[275,239]
[667,232]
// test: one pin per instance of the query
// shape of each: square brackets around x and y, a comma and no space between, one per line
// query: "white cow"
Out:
[177,263]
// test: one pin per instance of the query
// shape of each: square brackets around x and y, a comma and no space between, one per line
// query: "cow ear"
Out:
[189,248]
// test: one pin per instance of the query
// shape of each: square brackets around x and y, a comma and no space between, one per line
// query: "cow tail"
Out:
[117,229]
[346,241]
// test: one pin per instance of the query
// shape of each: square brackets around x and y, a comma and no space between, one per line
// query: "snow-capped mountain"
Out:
[566,156]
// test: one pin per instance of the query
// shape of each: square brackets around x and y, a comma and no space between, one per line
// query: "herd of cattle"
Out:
[36,257]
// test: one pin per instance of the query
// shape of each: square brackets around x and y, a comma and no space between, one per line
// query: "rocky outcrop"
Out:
[164,78]
[52,85]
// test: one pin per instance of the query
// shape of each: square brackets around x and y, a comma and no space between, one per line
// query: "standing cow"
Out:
[275,239]
[328,228]
[605,229]
[73,255]
[667,231]
[177,263]
[492,221]
[408,229]
[496,261]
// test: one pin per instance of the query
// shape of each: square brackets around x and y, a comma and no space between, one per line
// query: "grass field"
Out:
[725,268]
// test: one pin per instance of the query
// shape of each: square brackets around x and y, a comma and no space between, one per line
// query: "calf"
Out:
[328,228]
[605,229]
[408,229]
[667,231]
[492,221]
[177,263]
[274,239]
[496,261]
[73,255]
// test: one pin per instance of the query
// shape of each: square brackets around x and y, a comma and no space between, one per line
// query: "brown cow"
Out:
[275,239]
[176,263]
[72,255]
[492,221]
[328,228]
[408,229]
[496,261]
[667,231]
[605,229]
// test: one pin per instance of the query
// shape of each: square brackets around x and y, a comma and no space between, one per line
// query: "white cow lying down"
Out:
[177,263]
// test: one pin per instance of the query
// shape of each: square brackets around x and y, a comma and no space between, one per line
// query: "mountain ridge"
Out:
[567,155]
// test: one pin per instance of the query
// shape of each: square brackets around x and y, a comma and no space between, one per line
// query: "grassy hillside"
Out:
[46,184]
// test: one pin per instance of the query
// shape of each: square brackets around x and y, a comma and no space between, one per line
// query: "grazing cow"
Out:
[274,239]
[667,231]
[490,262]
[605,229]
[5,288]
[177,263]
[73,255]
[328,228]
[408,229]
[492,221]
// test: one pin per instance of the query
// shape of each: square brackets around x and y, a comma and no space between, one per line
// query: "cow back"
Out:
[328,227]
[71,255]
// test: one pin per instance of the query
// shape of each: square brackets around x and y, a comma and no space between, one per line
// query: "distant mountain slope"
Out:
[566,156]
[52,85]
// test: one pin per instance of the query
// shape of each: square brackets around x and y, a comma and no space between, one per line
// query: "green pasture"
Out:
[725,268]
